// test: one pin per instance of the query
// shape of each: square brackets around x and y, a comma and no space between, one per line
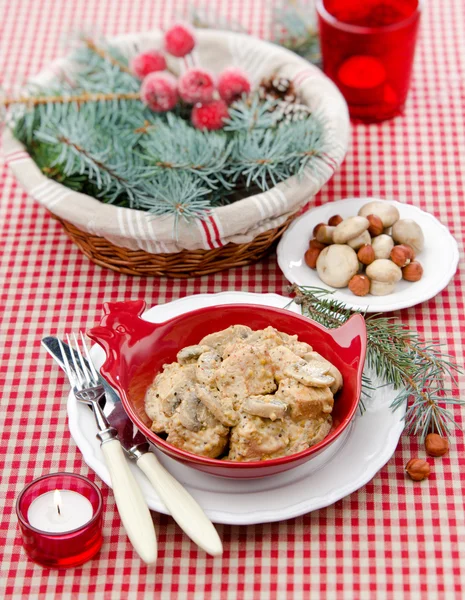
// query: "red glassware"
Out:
[67,549]
[368,48]
[136,351]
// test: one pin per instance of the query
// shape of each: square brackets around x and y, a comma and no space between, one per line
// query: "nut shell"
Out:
[359,285]
[382,209]
[311,257]
[316,244]
[349,229]
[384,271]
[435,445]
[376,225]
[335,220]
[366,254]
[401,255]
[336,265]
[418,469]
[413,271]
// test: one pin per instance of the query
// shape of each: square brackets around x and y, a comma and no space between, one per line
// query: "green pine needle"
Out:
[119,151]
[423,375]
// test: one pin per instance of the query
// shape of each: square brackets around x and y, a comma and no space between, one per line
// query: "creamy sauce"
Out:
[244,395]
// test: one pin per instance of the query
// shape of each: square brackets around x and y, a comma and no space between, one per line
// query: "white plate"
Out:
[439,257]
[348,464]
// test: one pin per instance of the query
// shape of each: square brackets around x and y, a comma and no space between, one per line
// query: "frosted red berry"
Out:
[147,62]
[209,116]
[196,85]
[159,91]
[232,84]
[179,40]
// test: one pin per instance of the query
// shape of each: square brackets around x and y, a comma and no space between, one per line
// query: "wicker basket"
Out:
[187,263]
[133,242]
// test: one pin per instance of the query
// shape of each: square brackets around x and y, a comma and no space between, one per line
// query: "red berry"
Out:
[147,62]
[196,85]
[232,83]
[209,116]
[159,91]
[179,40]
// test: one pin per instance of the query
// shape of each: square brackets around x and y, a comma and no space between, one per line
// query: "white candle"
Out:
[59,511]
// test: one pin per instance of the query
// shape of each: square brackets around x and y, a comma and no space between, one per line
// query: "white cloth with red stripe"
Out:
[239,222]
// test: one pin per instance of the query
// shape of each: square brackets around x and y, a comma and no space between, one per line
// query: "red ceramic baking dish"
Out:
[136,351]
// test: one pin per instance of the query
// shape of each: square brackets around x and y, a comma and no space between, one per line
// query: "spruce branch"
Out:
[397,355]
[106,54]
[33,101]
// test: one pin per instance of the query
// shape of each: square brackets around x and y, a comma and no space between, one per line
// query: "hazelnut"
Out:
[315,229]
[335,220]
[413,271]
[418,469]
[316,244]
[436,445]
[366,254]
[376,225]
[401,255]
[311,257]
[359,285]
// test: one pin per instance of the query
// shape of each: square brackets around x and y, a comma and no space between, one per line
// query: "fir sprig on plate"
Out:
[100,137]
[422,374]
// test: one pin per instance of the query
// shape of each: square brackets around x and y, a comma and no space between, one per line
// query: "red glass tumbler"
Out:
[368,48]
[68,548]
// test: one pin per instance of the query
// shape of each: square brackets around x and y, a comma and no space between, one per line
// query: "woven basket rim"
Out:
[42,188]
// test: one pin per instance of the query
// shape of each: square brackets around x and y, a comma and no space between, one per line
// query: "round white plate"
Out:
[342,468]
[439,258]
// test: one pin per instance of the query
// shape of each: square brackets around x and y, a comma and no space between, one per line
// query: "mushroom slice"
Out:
[206,368]
[332,370]
[220,339]
[312,374]
[220,407]
[188,411]
[267,407]
[190,354]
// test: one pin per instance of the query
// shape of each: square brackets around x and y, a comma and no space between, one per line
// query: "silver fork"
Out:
[85,383]
[129,499]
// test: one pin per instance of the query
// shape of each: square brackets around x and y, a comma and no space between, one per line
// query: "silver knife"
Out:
[183,508]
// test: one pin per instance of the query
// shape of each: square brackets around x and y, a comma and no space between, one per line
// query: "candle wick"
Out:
[58,509]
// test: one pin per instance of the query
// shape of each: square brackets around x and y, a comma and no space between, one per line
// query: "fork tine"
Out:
[80,373]
[85,370]
[89,360]
[69,374]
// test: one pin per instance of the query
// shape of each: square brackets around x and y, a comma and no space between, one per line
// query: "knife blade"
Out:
[183,508]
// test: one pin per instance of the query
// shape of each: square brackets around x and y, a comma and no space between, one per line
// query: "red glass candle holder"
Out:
[61,549]
[368,48]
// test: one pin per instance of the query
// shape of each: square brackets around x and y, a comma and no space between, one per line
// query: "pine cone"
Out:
[282,91]
[277,88]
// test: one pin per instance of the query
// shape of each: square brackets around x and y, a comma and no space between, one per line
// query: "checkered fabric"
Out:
[393,539]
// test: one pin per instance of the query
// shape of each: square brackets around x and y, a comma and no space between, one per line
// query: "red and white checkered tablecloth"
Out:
[393,539]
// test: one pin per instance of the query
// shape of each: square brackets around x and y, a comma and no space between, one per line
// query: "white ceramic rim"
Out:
[437,281]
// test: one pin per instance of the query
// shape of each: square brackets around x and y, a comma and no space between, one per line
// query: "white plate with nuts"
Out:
[376,255]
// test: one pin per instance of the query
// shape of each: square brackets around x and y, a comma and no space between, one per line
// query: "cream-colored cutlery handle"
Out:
[131,504]
[183,508]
